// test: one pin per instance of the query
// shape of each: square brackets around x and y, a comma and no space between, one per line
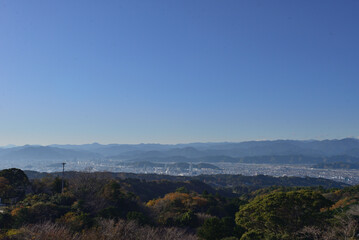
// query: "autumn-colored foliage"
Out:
[342,203]
[98,206]
[186,199]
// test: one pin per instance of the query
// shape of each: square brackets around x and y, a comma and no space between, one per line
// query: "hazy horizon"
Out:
[175,143]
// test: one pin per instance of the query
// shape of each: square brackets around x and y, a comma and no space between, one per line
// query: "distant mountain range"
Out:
[35,155]
[278,151]
[347,146]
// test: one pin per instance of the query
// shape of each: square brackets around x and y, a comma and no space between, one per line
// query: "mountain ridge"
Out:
[196,152]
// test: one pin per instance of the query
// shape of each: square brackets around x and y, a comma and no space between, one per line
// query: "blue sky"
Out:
[177,71]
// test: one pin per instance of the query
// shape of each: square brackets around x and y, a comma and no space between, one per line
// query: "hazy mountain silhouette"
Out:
[278,151]
[44,153]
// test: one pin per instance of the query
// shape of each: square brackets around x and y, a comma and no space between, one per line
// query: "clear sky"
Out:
[80,71]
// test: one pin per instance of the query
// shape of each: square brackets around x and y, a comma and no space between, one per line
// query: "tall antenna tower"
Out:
[63,176]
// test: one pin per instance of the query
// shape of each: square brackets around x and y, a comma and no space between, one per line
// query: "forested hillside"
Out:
[111,206]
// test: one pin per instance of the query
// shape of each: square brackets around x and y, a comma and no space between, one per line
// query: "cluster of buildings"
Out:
[341,175]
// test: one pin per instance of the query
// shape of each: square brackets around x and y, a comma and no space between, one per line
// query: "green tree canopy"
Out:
[13,183]
[15,176]
[282,213]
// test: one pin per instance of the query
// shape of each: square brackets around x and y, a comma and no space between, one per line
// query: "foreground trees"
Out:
[283,213]
[105,230]
[13,184]
[98,206]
